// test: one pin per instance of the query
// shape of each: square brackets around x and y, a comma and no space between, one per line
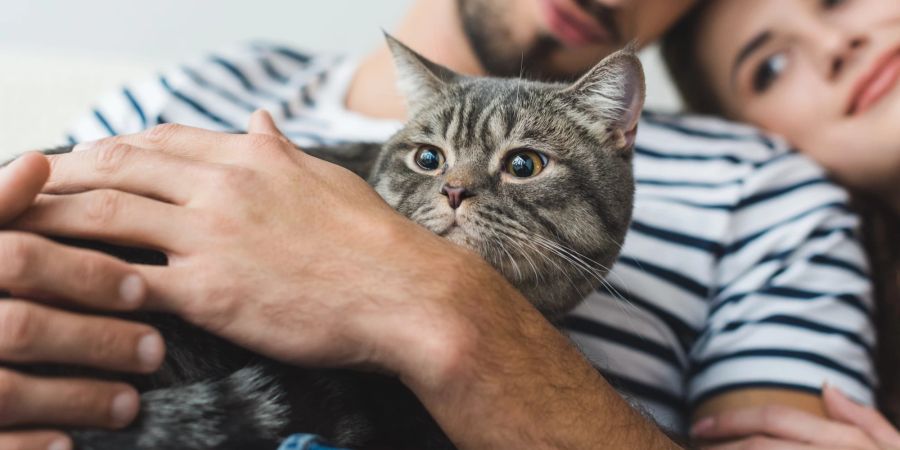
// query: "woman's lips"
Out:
[876,84]
[571,25]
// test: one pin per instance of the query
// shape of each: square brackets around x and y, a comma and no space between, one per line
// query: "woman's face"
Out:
[823,73]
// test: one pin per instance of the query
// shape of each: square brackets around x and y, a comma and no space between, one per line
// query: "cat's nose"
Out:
[456,195]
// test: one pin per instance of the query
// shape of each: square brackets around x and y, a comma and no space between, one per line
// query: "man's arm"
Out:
[338,279]
[516,382]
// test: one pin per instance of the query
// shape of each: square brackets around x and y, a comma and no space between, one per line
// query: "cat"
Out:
[535,177]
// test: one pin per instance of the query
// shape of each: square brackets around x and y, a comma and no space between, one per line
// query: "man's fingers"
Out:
[26,400]
[261,122]
[841,408]
[119,166]
[20,183]
[33,265]
[35,440]
[33,333]
[179,140]
[781,422]
[110,216]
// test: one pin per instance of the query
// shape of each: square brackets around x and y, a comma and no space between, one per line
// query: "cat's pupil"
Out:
[429,159]
[522,167]
[525,164]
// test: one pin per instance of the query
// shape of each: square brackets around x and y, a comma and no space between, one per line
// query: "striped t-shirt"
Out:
[742,268]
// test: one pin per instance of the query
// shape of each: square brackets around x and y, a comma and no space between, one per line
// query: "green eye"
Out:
[429,158]
[525,163]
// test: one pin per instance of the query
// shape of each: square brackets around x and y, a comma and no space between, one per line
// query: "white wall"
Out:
[57,56]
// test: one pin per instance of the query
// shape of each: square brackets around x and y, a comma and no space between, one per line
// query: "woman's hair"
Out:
[880,223]
[880,227]
[679,51]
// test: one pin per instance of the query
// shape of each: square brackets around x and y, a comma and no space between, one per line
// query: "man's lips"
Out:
[876,83]
[572,25]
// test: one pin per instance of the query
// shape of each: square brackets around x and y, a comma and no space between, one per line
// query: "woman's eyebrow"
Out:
[752,46]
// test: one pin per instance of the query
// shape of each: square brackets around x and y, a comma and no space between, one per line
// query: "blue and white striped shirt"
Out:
[742,269]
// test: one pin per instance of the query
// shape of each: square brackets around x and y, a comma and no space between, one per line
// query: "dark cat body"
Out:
[552,235]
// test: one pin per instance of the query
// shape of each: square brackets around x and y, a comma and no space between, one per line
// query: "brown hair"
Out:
[880,223]
[679,51]
[880,227]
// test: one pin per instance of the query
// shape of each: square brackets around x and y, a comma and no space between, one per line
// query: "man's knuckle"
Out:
[90,271]
[8,388]
[104,345]
[263,141]
[17,328]
[16,256]
[102,207]
[109,157]
[161,134]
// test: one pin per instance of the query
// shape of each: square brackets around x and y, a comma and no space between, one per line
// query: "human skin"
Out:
[816,57]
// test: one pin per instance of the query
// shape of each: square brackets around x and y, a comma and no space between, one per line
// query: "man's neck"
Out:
[432,28]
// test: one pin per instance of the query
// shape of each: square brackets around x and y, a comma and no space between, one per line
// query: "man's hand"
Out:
[31,267]
[848,426]
[273,249]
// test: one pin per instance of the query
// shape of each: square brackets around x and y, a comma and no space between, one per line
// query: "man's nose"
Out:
[456,195]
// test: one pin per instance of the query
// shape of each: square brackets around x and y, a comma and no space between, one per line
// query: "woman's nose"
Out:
[839,49]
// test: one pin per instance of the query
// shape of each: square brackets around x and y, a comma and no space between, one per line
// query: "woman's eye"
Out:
[768,72]
[831,4]
[429,158]
[525,163]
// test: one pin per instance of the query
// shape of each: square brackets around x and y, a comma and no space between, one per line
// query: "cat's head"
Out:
[535,177]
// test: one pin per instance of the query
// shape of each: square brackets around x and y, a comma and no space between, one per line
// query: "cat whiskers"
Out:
[502,247]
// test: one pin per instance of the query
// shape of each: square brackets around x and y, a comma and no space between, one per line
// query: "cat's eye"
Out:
[429,158]
[525,163]
[768,72]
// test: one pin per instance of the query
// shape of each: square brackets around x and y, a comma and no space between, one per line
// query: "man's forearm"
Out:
[513,381]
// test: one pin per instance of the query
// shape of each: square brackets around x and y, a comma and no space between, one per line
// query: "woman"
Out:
[824,74]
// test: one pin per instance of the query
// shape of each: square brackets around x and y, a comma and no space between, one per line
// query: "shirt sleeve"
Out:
[792,306]
[217,91]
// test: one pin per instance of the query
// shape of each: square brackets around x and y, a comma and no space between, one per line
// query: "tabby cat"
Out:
[535,177]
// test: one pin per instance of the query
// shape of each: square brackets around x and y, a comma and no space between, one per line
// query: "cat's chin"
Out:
[456,235]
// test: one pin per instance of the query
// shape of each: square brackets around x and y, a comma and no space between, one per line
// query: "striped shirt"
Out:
[742,268]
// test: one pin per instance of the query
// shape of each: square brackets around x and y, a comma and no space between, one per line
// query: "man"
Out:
[740,257]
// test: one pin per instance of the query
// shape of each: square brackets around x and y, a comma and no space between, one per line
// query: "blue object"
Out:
[305,442]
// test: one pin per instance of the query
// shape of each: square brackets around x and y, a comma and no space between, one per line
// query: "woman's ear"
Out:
[613,92]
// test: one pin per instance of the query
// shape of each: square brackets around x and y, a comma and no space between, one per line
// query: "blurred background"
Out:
[58,56]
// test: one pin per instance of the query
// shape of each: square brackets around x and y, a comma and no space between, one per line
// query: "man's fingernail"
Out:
[703,426]
[124,408]
[132,290]
[84,146]
[151,350]
[60,444]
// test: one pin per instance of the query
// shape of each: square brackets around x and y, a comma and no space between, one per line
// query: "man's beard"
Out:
[489,33]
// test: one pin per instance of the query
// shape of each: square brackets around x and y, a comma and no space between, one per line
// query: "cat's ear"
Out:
[418,79]
[614,92]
